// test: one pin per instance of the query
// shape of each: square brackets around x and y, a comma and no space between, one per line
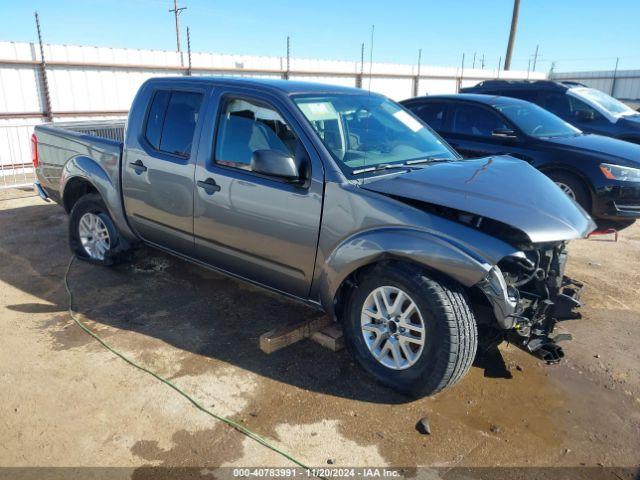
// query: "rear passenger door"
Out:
[157,171]
[261,228]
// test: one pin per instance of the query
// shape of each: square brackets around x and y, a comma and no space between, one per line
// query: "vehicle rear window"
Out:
[172,121]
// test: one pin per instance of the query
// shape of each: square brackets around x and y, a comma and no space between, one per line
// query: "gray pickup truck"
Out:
[334,196]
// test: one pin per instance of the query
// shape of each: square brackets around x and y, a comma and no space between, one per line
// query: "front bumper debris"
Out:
[529,294]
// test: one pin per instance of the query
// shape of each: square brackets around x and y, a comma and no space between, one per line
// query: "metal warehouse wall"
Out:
[89,82]
[622,84]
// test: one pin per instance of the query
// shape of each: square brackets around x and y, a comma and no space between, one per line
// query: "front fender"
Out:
[429,249]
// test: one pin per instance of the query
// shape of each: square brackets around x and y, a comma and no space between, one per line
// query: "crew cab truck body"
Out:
[333,196]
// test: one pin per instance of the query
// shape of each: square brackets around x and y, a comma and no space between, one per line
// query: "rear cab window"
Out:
[172,120]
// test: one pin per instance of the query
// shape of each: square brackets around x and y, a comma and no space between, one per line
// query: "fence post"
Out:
[43,71]
[286,73]
[360,76]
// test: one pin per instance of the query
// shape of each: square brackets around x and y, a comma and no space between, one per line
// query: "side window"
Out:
[578,107]
[556,102]
[156,117]
[171,121]
[433,113]
[475,120]
[180,123]
[246,126]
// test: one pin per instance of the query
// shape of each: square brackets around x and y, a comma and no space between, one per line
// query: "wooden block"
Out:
[330,337]
[285,335]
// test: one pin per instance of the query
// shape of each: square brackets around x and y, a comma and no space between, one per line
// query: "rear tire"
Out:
[449,334]
[93,237]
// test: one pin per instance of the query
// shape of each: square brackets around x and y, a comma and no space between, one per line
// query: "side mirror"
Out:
[504,133]
[586,115]
[275,164]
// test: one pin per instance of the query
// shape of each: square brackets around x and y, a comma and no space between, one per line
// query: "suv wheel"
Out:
[411,332]
[573,187]
[93,236]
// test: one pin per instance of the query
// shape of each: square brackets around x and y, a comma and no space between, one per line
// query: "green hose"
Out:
[240,428]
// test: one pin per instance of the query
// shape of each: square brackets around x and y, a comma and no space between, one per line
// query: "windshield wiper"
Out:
[428,160]
[382,166]
[408,165]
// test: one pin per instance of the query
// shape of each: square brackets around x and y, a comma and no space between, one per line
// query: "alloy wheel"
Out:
[392,327]
[94,236]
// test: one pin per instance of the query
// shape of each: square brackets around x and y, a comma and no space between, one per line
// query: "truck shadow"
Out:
[171,300]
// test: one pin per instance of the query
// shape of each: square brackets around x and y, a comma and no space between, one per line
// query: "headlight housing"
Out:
[618,172]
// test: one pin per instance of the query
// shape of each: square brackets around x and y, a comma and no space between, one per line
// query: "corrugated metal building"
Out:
[90,82]
[622,84]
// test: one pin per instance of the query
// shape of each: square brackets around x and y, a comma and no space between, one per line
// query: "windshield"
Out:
[536,121]
[604,101]
[363,131]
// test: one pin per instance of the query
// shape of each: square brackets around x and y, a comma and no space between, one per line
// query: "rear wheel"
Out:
[410,331]
[93,236]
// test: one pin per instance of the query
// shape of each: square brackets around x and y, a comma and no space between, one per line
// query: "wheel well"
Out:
[348,284]
[74,190]
[581,178]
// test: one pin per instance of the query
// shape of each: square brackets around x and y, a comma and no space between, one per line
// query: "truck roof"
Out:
[271,84]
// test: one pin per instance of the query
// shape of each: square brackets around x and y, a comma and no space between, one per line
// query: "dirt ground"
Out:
[66,401]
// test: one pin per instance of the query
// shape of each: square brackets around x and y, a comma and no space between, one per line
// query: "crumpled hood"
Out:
[501,188]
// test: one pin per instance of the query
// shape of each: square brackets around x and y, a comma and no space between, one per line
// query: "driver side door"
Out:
[259,227]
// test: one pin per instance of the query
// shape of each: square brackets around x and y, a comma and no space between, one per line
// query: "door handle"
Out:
[138,166]
[209,185]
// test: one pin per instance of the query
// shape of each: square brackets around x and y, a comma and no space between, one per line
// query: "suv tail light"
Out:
[34,150]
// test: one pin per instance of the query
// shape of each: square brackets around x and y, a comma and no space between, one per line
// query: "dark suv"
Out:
[602,174]
[588,109]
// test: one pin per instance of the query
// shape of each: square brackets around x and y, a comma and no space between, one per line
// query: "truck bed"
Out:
[87,145]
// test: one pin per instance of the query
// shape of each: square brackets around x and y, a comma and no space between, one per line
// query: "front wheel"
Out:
[410,331]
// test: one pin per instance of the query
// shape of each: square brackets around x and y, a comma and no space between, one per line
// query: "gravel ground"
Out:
[66,401]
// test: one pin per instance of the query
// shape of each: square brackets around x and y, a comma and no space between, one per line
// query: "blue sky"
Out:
[577,34]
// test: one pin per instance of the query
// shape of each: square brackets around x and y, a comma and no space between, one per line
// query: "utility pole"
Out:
[512,34]
[535,58]
[474,60]
[43,70]
[176,12]
[483,61]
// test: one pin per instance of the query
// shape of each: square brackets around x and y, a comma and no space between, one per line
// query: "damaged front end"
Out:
[529,294]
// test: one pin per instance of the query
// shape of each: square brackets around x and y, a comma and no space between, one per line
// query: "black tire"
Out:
[93,203]
[451,336]
[577,186]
